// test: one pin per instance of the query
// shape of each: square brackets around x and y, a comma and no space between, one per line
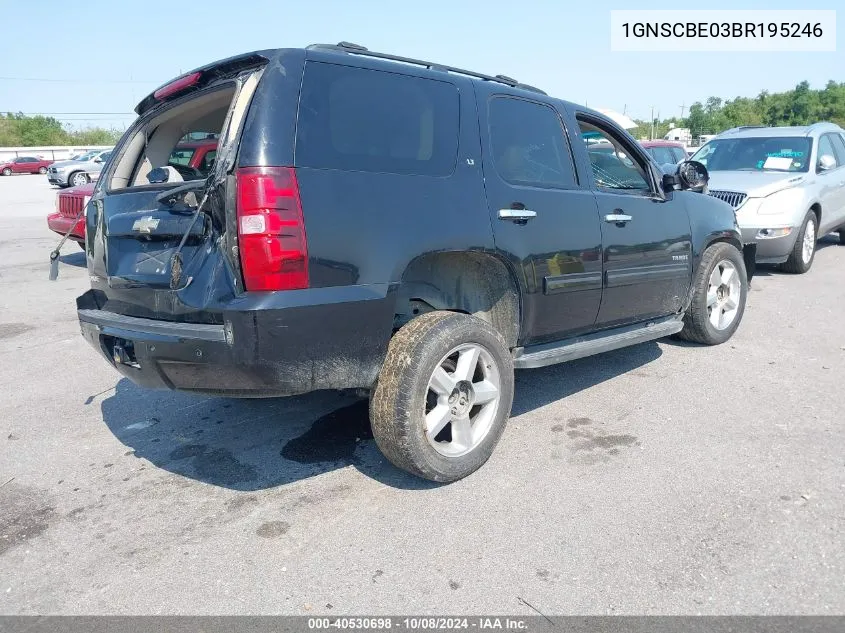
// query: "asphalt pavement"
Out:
[661,479]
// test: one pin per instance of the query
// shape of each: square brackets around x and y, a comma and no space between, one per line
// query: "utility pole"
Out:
[683,107]
[651,136]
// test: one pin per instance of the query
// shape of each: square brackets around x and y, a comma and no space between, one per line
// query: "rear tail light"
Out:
[177,85]
[271,229]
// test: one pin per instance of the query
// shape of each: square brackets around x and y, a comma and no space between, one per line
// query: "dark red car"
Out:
[192,159]
[665,152]
[25,165]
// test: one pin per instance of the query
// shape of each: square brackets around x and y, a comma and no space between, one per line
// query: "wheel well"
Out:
[817,209]
[469,282]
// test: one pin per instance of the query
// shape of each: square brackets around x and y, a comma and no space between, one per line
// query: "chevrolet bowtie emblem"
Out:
[145,225]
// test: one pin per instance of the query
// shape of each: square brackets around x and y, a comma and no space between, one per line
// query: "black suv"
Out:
[386,224]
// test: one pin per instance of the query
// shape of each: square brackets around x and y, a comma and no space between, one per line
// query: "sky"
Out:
[92,62]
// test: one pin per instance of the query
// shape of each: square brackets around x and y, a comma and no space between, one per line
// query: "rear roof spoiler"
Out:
[206,75]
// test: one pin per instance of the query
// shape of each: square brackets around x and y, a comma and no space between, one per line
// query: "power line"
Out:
[82,81]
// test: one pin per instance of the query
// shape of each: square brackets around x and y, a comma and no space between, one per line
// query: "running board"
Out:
[606,341]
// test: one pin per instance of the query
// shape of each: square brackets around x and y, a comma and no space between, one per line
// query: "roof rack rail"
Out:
[357,49]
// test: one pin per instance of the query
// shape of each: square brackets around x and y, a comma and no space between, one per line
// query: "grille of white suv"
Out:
[733,198]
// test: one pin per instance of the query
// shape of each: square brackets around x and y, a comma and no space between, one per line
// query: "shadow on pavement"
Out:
[257,444]
[74,259]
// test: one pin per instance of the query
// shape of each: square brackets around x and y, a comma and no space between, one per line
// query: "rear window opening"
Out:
[182,139]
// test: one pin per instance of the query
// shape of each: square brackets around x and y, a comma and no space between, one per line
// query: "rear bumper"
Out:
[60,224]
[254,353]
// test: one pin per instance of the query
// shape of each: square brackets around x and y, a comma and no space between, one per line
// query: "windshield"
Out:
[756,154]
[181,156]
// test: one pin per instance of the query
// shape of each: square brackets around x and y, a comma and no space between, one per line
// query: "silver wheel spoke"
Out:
[485,391]
[727,275]
[436,419]
[712,297]
[441,382]
[715,278]
[731,302]
[467,361]
[715,316]
[462,433]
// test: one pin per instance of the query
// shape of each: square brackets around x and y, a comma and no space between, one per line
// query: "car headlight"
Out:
[784,201]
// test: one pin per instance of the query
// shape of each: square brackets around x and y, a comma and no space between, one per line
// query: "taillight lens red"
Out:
[177,85]
[271,229]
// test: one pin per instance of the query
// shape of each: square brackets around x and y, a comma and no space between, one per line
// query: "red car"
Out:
[665,152]
[25,165]
[192,159]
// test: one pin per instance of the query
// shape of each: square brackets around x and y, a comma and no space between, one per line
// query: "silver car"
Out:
[787,185]
[75,173]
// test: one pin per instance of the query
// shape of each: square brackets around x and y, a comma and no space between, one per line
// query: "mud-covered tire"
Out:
[699,326]
[404,394]
[798,264]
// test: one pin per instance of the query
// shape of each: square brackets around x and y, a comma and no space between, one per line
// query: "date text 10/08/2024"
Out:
[420,623]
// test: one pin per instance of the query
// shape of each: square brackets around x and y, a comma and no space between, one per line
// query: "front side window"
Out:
[357,119]
[756,154]
[529,144]
[827,147]
[613,166]
[679,154]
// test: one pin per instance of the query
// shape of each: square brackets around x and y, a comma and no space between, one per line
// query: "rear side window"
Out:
[528,143]
[357,119]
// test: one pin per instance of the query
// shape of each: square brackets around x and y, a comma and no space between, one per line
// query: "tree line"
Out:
[19,130]
[800,106]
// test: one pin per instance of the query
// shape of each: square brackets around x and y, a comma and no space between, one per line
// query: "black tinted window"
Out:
[368,120]
[528,143]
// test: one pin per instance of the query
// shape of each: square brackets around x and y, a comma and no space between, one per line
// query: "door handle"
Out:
[618,218]
[520,216]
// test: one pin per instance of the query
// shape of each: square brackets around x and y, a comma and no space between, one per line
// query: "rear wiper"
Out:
[171,194]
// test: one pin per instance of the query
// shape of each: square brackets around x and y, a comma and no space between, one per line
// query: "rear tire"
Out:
[443,396]
[77,179]
[804,252]
[719,293]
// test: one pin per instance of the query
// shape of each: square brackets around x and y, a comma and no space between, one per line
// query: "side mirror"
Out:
[693,175]
[826,162]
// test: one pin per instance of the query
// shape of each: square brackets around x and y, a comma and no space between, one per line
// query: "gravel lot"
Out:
[662,479]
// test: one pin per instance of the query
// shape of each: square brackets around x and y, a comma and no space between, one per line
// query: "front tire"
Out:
[804,252]
[7,172]
[42,170]
[77,179]
[443,396]
[719,293]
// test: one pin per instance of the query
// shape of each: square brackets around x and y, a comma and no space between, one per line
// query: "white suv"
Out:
[787,185]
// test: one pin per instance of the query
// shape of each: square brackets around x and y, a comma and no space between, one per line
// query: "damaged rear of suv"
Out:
[185,275]
[379,223]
